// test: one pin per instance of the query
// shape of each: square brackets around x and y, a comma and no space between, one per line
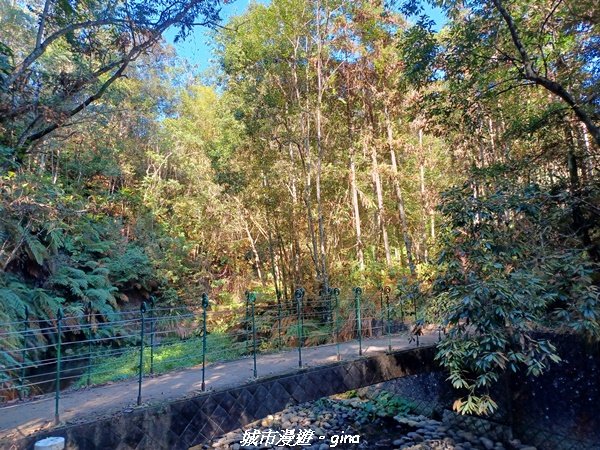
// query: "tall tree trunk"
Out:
[308,203]
[431,211]
[360,255]
[586,166]
[356,213]
[320,152]
[295,249]
[270,242]
[257,260]
[305,153]
[424,204]
[580,225]
[281,270]
[380,211]
[399,197]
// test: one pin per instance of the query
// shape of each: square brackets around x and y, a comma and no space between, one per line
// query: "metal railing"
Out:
[49,356]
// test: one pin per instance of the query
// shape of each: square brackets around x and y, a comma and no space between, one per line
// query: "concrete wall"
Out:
[559,410]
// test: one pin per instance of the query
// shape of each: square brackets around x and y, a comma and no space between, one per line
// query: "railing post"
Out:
[401,302]
[247,321]
[152,305]
[357,294]
[24,355]
[299,295]
[251,299]
[278,320]
[416,309]
[387,291]
[381,288]
[328,295]
[418,324]
[143,309]
[90,339]
[205,303]
[59,318]
[335,319]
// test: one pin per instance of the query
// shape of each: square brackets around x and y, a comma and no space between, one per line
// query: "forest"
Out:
[331,143]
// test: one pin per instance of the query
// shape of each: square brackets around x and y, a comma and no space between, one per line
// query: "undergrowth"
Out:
[167,356]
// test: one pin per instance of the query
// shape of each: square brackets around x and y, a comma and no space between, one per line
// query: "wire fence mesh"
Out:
[75,351]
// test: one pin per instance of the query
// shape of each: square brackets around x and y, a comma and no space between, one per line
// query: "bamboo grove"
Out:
[332,143]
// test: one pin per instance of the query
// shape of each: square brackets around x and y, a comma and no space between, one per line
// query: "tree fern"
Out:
[131,265]
[56,238]
[35,249]
[45,304]
[83,287]
[73,280]
[12,305]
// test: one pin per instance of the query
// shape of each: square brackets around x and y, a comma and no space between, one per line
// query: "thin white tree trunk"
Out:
[320,151]
[257,261]
[380,211]
[399,196]
[356,213]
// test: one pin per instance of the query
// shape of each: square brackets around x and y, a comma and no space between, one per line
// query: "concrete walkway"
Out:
[24,418]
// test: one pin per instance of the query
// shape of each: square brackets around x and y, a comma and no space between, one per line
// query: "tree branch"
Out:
[49,129]
[134,53]
[41,47]
[529,73]
[40,33]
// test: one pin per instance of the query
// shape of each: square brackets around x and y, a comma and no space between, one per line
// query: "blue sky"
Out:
[197,49]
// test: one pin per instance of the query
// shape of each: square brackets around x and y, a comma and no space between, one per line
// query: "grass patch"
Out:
[168,356]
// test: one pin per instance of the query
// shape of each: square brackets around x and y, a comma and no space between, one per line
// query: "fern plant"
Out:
[93,288]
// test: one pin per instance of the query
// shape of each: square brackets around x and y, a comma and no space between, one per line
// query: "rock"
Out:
[433,423]
[468,436]
[415,436]
[487,443]
[50,443]
[528,447]
[398,442]
[235,446]
[323,447]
